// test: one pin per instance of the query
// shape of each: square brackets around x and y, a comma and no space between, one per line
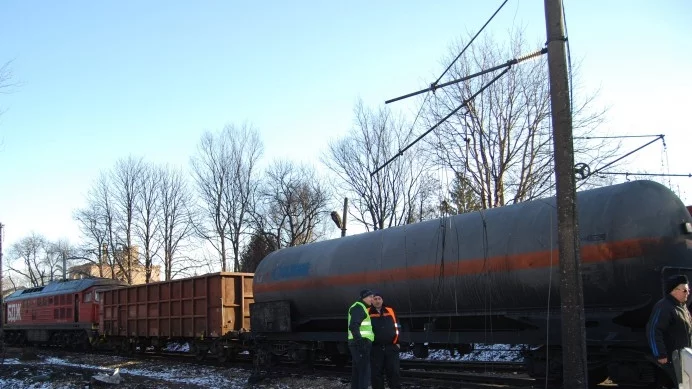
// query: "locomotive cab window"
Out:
[87,297]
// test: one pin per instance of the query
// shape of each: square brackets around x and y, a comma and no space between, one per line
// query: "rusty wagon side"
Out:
[208,312]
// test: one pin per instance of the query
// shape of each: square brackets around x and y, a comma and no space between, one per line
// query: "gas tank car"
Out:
[492,276]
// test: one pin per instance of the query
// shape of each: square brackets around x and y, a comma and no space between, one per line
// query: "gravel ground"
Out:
[58,370]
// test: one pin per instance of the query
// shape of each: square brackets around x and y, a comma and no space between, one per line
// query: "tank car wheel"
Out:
[466,348]
[83,342]
[70,341]
[420,351]
[302,356]
[61,339]
[219,352]
[125,348]
[538,367]
[141,347]
[339,360]
[199,351]
[262,356]
[597,375]
[10,338]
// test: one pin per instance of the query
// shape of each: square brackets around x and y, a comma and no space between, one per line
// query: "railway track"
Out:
[415,373]
[464,365]
[430,374]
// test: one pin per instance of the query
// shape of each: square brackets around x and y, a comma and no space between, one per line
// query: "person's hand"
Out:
[663,361]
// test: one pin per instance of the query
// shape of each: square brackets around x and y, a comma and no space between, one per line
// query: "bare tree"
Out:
[127,191]
[241,198]
[28,260]
[6,83]
[501,146]
[392,196]
[295,203]
[211,172]
[92,224]
[174,218]
[103,198]
[6,76]
[148,219]
[61,254]
[227,182]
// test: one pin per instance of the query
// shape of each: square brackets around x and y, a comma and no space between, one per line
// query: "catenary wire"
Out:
[462,105]
[433,86]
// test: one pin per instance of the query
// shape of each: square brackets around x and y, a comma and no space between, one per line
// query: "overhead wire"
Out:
[620,136]
[454,111]
[433,86]
[688,175]
[506,64]
[415,119]
[600,169]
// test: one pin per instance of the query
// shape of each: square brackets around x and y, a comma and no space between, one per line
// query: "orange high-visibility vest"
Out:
[388,312]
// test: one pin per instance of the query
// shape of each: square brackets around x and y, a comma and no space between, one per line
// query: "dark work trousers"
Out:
[385,361]
[674,368]
[360,365]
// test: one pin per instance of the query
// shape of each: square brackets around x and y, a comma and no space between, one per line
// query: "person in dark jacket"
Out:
[360,337]
[385,348]
[670,326]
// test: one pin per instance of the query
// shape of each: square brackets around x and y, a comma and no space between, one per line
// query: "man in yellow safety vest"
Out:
[360,338]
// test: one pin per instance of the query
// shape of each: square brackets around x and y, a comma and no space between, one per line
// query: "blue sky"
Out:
[102,80]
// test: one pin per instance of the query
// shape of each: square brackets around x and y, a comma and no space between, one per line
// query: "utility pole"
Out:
[343,225]
[64,265]
[571,291]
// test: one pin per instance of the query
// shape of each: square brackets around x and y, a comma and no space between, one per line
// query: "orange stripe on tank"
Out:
[603,252]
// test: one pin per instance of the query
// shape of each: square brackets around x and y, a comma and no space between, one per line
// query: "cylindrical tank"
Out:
[492,261]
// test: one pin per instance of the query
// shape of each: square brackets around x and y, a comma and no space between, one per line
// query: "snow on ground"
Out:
[173,347]
[19,384]
[481,352]
[57,370]
[172,374]
[191,375]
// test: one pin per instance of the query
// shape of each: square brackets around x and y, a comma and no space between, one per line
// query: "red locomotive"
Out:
[209,312]
[60,313]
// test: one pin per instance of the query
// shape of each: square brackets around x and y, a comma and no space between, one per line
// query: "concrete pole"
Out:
[571,291]
[64,266]
[343,225]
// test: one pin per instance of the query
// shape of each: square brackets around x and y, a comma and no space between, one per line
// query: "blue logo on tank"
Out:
[288,271]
